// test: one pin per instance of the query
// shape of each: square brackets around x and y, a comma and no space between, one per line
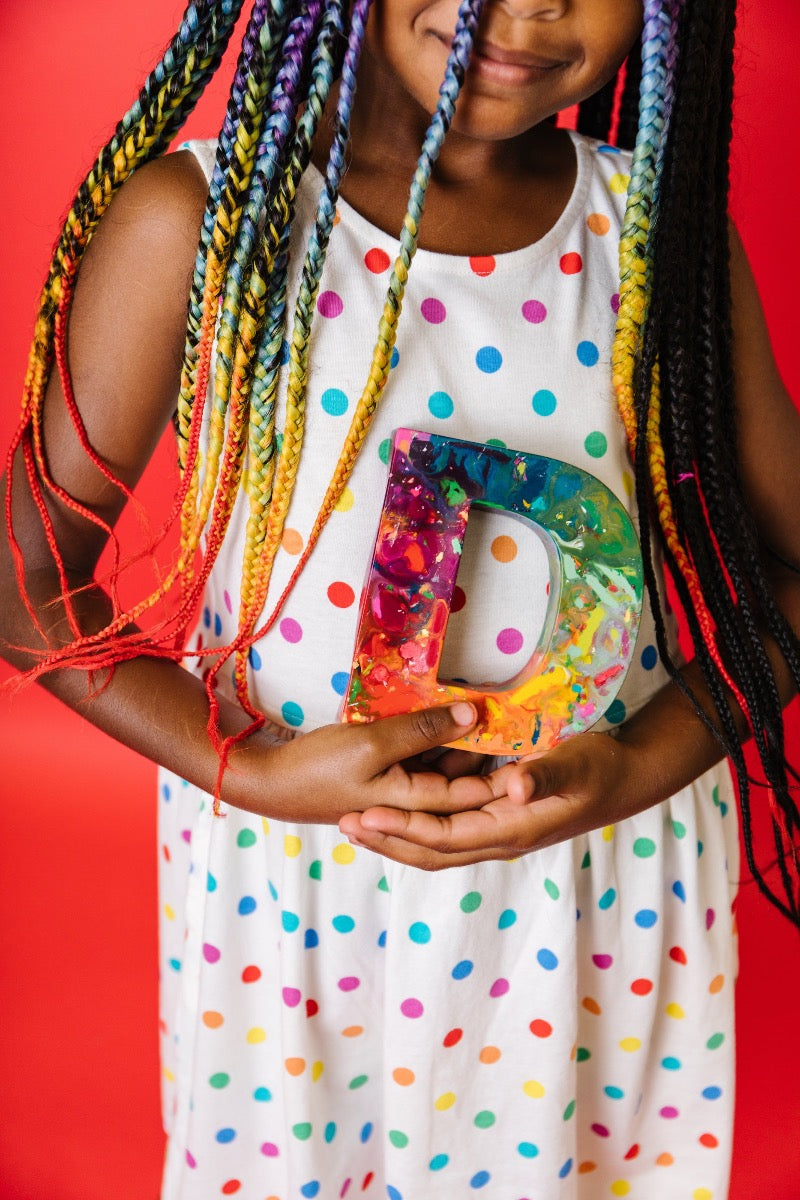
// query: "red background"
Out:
[78,1055]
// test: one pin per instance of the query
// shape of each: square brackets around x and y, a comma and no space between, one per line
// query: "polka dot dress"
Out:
[336,1025]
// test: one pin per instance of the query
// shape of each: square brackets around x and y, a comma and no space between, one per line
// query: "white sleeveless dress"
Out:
[335,1024]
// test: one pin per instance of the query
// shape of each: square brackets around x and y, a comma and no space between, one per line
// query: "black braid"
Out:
[629,105]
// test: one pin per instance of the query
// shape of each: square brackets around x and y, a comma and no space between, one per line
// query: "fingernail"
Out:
[354,841]
[462,713]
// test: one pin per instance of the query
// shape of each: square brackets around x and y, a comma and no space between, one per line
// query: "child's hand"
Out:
[590,781]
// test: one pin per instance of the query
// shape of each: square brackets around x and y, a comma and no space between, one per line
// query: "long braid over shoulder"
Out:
[671,364]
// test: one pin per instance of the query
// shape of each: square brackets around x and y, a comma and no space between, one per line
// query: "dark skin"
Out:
[125,343]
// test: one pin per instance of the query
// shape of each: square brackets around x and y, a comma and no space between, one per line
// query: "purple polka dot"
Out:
[669,1112]
[603,961]
[601,1130]
[534,311]
[191,1161]
[210,953]
[349,983]
[186,834]
[228,602]
[330,304]
[411,1007]
[711,916]
[433,310]
[291,630]
[291,997]
[499,987]
[509,641]
[270,1149]
[615,302]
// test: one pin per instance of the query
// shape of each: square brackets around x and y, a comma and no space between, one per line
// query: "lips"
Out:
[515,58]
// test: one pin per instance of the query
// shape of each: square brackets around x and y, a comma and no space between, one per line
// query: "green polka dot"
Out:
[315,870]
[358,1082]
[384,450]
[569,1110]
[587,861]
[220,1080]
[471,902]
[382,884]
[583,1054]
[715,794]
[496,442]
[715,1041]
[302,1131]
[679,829]
[485,1119]
[596,444]
[398,1138]
[644,847]
[551,889]
[245,838]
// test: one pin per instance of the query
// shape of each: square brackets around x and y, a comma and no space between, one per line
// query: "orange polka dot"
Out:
[592,1006]
[291,541]
[598,223]
[586,1168]
[664,1160]
[212,1019]
[708,1139]
[231,1187]
[489,1054]
[482,264]
[340,594]
[353,1031]
[403,1076]
[337,216]
[717,984]
[504,548]
[295,1066]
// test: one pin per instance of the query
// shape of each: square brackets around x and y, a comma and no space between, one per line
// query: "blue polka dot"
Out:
[479,1179]
[507,919]
[544,403]
[330,1131]
[292,713]
[588,354]
[699,849]
[547,959]
[462,969]
[247,904]
[272,889]
[255,658]
[339,682]
[671,1064]
[614,1093]
[489,359]
[217,624]
[207,617]
[607,899]
[366,1131]
[440,405]
[175,963]
[615,714]
[646,918]
[649,657]
[310,939]
[310,1189]
[382,939]
[395,359]
[284,352]
[334,402]
[606,149]
[290,921]
[343,923]
[565,1170]
[262,1094]
[393,1193]
[165,792]
[711,1093]
[679,890]
[224,1136]
[438,1162]
[420,933]
[211,883]
[528,1150]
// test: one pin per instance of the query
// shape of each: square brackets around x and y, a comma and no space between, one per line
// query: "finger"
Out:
[450,834]
[394,739]
[422,857]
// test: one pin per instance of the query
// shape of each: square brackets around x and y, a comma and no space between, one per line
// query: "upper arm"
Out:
[768,422]
[125,341]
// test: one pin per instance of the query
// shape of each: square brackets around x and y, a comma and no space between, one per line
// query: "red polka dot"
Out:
[341,594]
[633,1152]
[641,987]
[312,1008]
[376,260]
[708,1139]
[678,955]
[231,1187]
[541,1028]
[368,1178]
[482,264]
[453,1037]
[251,974]
[571,263]
[458,601]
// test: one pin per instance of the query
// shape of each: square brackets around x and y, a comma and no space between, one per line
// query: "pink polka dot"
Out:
[270,1149]
[711,917]
[499,988]
[330,304]
[376,260]
[210,953]
[291,997]
[482,264]
[603,961]
[571,263]
[411,1007]
[534,311]
[228,602]
[349,983]
[601,1130]
[291,630]
[509,641]
[669,1112]
[191,1161]
[433,310]
[615,302]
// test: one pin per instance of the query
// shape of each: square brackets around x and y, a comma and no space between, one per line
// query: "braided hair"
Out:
[671,361]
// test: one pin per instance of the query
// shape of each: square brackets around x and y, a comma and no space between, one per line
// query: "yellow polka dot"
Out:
[619,183]
[717,984]
[344,853]
[403,1076]
[533,1088]
[169,912]
[598,223]
[345,501]
[170,1075]
[628,483]
[504,549]
[265,825]
[316,1071]
[212,1020]
[295,1066]
[608,833]
[702,1194]
[353,1031]
[256,1035]
[445,1101]
[630,1044]
[489,1054]
[292,845]
[620,1187]
[291,541]
[675,1010]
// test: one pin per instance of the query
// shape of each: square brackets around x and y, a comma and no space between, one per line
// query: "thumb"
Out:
[411,733]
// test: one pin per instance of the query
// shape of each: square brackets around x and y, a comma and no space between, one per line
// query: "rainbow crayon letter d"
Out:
[595,595]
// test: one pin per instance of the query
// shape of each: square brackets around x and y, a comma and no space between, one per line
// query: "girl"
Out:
[400,1012]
